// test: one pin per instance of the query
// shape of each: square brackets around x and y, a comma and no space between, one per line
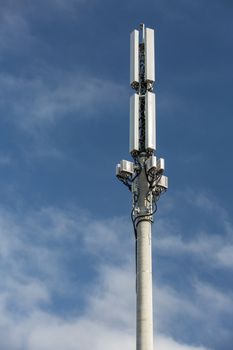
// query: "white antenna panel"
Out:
[149,55]
[163,182]
[150,122]
[134,124]
[134,58]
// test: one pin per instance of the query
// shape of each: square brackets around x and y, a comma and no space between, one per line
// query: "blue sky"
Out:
[66,240]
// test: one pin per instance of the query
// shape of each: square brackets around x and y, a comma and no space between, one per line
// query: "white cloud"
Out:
[43,95]
[166,343]
[16,18]
[212,296]
[225,256]
[113,300]
[107,322]
[213,249]
[170,305]
[177,311]
[30,292]
[33,251]
[205,202]
[14,31]
[203,245]
[39,101]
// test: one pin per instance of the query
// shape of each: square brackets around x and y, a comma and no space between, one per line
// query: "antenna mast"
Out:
[144,176]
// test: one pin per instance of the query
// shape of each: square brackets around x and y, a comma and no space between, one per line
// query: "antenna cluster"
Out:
[142,138]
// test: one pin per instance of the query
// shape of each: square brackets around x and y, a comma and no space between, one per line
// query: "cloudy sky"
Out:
[66,241]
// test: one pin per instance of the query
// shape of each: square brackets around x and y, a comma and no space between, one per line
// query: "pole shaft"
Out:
[144,274]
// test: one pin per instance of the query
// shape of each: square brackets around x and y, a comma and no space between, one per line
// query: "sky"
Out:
[66,241]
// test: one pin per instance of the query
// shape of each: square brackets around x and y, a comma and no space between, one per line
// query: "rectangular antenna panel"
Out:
[149,55]
[150,122]
[151,164]
[163,182]
[126,167]
[134,58]
[160,165]
[134,124]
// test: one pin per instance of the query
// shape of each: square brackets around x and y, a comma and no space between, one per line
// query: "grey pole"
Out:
[144,272]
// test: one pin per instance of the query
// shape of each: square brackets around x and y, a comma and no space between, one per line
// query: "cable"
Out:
[134,227]
[137,173]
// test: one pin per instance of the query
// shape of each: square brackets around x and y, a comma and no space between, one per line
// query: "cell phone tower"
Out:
[144,176]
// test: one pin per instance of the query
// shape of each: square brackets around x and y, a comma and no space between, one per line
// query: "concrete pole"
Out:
[144,272]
